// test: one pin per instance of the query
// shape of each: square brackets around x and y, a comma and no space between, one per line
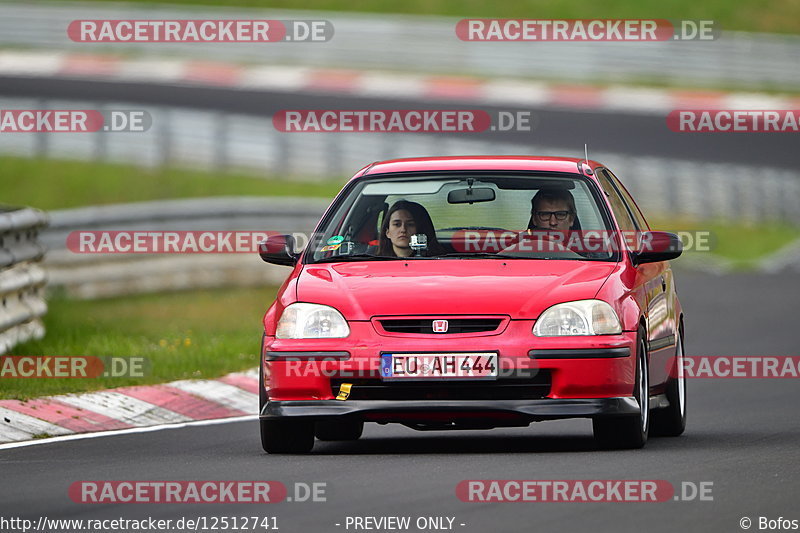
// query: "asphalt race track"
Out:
[643,135]
[742,435]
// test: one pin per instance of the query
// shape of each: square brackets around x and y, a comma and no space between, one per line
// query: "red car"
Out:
[473,293]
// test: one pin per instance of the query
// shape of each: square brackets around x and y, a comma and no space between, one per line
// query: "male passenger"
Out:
[552,210]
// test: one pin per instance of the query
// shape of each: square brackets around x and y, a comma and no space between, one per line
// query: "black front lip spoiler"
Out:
[544,409]
[583,353]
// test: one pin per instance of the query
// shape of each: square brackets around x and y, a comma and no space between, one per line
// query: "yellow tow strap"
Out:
[344,391]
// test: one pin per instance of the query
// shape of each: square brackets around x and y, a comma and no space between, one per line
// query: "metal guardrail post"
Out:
[221,148]
[42,141]
[100,142]
[164,138]
[22,279]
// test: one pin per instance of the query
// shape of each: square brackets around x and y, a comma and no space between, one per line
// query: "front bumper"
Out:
[404,410]
[594,367]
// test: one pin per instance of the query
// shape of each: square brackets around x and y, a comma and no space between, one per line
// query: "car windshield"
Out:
[465,216]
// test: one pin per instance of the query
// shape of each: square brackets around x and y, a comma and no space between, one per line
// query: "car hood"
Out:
[521,289]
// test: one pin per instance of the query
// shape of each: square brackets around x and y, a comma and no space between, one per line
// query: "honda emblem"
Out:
[440,326]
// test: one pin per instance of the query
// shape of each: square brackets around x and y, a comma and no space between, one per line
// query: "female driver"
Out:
[403,220]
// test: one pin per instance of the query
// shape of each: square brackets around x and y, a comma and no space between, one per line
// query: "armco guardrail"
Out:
[221,142]
[428,44]
[102,275]
[22,279]
[99,275]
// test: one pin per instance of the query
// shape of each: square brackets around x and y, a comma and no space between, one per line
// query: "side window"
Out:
[617,204]
[634,209]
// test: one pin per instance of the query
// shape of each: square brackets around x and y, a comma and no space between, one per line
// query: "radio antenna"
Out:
[588,169]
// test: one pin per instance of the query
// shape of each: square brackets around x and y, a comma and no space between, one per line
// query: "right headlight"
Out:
[311,321]
[582,317]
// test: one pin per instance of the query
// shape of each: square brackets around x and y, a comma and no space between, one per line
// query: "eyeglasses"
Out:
[546,215]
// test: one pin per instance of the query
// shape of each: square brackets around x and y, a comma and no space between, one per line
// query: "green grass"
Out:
[747,15]
[59,184]
[742,244]
[198,334]
[746,243]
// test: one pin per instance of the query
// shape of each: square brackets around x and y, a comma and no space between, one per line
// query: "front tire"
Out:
[262,393]
[629,432]
[671,421]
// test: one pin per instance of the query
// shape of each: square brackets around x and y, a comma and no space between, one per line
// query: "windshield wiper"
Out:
[357,257]
[478,254]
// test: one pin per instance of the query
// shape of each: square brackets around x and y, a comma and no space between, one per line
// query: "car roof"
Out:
[491,163]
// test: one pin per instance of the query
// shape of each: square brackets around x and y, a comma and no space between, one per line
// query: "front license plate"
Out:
[397,366]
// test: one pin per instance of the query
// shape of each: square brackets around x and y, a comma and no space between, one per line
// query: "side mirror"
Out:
[278,250]
[656,246]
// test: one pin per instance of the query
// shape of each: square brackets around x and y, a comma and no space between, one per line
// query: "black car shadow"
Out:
[432,444]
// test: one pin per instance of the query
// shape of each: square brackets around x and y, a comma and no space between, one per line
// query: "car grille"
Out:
[502,389]
[455,325]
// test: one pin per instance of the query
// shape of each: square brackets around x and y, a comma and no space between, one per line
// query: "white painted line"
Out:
[517,92]
[113,433]
[121,407]
[754,101]
[395,85]
[17,425]
[636,99]
[221,393]
[277,78]
[152,70]
[31,63]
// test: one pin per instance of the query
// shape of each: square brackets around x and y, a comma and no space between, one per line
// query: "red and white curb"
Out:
[234,395]
[380,84]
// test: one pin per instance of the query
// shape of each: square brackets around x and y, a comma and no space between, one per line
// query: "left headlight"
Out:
[311,321]
[583,317]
